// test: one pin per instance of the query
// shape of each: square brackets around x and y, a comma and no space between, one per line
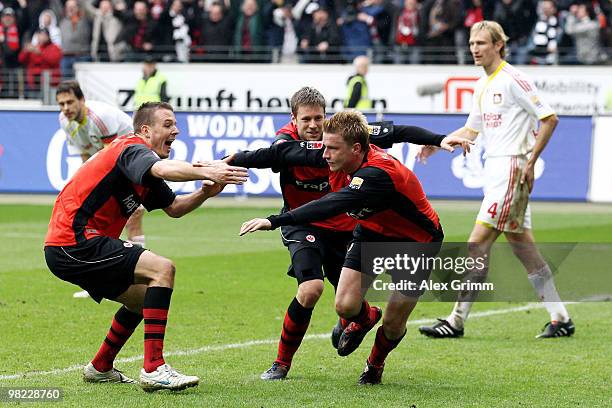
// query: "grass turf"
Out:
[232,291]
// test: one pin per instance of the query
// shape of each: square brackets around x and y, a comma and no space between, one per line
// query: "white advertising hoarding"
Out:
[394,88]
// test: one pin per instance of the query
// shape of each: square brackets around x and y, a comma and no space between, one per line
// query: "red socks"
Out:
[295,325]
[123,325]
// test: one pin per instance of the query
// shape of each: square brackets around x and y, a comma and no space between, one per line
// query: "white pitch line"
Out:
[247,344]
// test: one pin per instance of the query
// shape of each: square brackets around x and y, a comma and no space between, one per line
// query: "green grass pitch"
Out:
[230,298]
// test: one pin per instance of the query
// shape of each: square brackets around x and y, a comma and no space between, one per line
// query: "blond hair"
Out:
[352,125]
[496,32]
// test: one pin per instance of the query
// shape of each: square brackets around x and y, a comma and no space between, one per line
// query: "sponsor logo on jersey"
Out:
[374,130]
[314,145]
[310,238]
[492,120]
[497,98]
[312,185]
[536,101]
[356,183]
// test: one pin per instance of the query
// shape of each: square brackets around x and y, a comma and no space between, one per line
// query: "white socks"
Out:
[459,314]
[544,285]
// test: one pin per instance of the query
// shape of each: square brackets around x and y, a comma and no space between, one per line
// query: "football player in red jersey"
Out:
[317,248]
[389,204]
[82,245]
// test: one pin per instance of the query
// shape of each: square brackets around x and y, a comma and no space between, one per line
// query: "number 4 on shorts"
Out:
[493,210]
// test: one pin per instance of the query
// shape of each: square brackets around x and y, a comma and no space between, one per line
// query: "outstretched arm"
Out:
[326,207]
[217,171]
[184,204]
[370,188]
[291,153]
[139,163]
[385,134]
[462,136]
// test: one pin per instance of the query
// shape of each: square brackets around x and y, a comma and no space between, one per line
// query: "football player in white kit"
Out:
[89,127]
[505,112]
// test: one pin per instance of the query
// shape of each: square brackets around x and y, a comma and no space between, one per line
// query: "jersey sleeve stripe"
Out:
[98,122]
[522,83]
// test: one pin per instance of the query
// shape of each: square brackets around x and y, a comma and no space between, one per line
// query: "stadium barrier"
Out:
[34,158]
[394,88]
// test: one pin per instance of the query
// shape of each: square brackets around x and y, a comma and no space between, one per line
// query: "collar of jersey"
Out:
[81,123]
[489,79]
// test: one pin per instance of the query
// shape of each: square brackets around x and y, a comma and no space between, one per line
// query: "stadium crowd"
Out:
[51,35]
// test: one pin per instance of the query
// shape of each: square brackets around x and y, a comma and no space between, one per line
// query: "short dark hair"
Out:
[70,86]
[307,96]
[145,115]
[352,125]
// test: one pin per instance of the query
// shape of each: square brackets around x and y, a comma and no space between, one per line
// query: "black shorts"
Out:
[315,252]
[102,266]
[353,260]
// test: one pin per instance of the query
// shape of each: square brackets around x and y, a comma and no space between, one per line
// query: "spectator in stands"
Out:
[379,17]
[48,20]
[582,25]
[217,31]
[273,23]
[28,13]
[517,18]
[173,32]
[137,33]
[286,19]
[443,17]
[105,31]
[75,29]
[248,33]
[302,13]
[9,51]
[407,33]
[546,35]
[321,43]
[37,59]
[356,36]
[474,13]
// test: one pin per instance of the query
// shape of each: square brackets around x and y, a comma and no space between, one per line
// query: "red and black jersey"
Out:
[105,191]
[383,195]
[301,185]
[303,180]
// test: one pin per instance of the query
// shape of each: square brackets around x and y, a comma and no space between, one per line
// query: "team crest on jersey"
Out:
[497,98]
[310,238]
[314,145]
[356,183]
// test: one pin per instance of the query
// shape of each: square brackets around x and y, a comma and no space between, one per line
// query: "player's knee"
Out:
[166,271]
[345,308]
[309,292]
